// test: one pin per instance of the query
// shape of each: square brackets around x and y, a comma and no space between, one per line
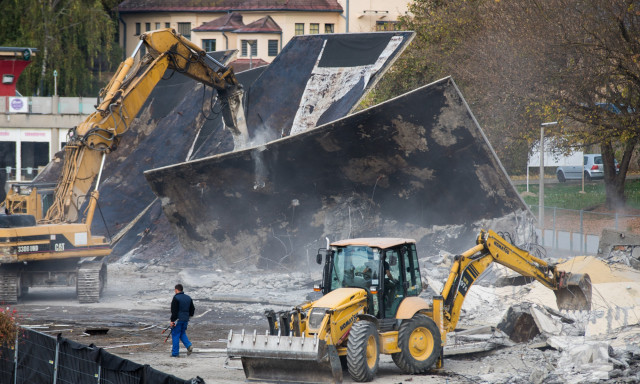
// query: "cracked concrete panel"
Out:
[358,176]
[317,79]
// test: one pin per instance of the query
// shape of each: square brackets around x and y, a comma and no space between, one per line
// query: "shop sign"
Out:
[18,104]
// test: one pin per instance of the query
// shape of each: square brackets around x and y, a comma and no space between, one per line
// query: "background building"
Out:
[258,29]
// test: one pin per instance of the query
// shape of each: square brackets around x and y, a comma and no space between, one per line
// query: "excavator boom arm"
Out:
[119,103]
[572,291]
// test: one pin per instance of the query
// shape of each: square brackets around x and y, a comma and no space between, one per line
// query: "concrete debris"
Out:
[476,340]
[519,324]
[620,247]
[583,360]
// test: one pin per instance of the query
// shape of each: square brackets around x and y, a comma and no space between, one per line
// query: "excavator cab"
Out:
[32,199]
[387,274]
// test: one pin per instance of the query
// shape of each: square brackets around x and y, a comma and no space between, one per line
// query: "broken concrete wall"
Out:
[416,166]
[621,247]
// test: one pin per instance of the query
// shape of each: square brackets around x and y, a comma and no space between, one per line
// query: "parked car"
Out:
[593,169]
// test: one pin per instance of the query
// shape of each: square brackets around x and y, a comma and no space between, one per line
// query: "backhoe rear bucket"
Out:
[574,292]
[285,358]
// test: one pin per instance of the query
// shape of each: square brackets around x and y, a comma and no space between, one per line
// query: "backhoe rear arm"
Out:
[469,266]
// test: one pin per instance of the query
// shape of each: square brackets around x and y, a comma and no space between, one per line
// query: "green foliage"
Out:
[568,196]
[74,37]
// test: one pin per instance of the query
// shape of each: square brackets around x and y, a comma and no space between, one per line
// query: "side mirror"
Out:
[319,258]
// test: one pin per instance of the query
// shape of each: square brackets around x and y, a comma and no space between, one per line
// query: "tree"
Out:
[589,73]
[522,63]
[74,37]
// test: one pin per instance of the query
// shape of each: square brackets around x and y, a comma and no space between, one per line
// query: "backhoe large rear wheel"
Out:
[419,342]
[363,351]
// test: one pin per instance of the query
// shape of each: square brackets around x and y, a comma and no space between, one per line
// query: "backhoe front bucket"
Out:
[285,358]
[574,292]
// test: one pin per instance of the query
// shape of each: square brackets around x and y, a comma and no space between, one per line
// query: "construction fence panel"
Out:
[40,358]
[578,231]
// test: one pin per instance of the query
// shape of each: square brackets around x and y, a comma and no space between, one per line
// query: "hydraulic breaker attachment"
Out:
[574,291]
[233,111]
[285,358]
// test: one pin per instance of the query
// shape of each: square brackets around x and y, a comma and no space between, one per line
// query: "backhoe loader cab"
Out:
[386,268]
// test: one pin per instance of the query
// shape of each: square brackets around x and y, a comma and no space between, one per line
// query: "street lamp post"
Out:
[541,185]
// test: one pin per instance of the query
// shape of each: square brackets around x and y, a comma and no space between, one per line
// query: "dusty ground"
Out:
[135,309]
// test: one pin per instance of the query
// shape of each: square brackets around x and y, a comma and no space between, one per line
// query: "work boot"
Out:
[189,350]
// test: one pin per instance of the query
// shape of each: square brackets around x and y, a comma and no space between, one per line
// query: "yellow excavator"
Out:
[371,306]
[42,242]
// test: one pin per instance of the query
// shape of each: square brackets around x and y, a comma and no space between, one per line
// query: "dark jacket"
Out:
[182,307]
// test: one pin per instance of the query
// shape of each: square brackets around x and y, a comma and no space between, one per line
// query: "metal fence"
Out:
[578,231]
[40,358]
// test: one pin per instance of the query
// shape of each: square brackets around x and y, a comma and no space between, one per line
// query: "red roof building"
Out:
[256,28]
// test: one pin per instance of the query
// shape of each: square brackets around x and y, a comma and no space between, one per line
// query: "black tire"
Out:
[561,177]
[420,344]
[363,351]
[587,177]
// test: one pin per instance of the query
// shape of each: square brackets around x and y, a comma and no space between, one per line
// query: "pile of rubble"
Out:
[600,345]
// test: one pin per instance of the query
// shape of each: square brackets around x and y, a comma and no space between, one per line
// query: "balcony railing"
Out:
[52,105]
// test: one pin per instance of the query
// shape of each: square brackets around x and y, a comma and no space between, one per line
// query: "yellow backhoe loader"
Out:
[370,306]
[41,241]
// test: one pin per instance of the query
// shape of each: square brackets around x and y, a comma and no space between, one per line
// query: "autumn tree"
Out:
[591,81]
[77,38]
[521,63]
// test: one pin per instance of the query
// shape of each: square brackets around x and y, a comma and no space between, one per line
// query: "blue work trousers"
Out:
[179,333]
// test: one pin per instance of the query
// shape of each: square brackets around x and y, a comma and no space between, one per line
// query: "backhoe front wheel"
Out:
[363,351]
[420,344]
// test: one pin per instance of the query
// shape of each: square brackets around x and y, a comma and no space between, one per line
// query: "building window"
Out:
[157,25]
[328,28]
[299,28]
[147,27]
[138,29]
[185,30]
[254,47]
[386,25]
[273,48]
[314,28]
[167,25]
[209,45]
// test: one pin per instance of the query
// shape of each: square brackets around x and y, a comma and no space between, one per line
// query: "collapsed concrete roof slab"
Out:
[317,79]
[398,169]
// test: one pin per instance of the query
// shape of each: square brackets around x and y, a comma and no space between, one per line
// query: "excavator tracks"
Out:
[9,284]
[92,278]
